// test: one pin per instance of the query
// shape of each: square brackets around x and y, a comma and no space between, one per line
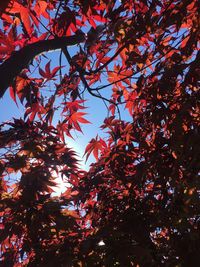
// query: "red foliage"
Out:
[140,199]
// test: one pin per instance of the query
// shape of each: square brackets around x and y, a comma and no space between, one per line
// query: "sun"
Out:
[61,184]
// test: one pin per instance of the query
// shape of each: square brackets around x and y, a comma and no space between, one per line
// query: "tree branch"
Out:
[3,5]
[109,61]
[22,58]
[81,73]
[140,70]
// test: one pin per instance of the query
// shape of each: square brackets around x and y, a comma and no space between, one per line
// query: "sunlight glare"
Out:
[62,185]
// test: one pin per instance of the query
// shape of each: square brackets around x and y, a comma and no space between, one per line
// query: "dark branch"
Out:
[81,73]
[139,71]
[22,58]
[3,5]
[109,61]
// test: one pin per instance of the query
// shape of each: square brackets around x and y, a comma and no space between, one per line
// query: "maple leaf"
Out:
[33,110]
[130,98]
[47,73]
[118,74]
[95,145]
[63,128]
[24,15]
[73,106]
[75,118]
[41,9]
[7,43]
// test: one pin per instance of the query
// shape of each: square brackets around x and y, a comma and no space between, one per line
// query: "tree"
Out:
[138,205]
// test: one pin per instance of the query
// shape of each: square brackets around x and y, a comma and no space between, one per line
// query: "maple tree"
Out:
[138,205]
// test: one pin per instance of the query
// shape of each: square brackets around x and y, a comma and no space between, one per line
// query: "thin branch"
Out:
[57,11]
[109,61]
[49,31]
[69,59]
[60,64]
[145,67]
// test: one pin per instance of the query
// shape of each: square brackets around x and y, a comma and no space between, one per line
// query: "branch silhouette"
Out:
[22,58]
[3,5]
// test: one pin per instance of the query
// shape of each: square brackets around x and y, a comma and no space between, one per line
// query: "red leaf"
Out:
[99,18]
[78,116]
[47,73]
[95,146]
[184,42]
[24,14]
[112,108]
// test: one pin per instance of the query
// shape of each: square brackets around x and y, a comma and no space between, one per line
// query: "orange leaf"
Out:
[78,116]
[184,42]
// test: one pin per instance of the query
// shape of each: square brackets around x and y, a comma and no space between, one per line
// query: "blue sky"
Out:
[96,108]
[96,114]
